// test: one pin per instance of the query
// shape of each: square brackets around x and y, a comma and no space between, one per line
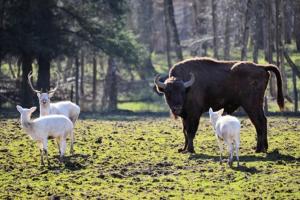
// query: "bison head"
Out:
[174,90]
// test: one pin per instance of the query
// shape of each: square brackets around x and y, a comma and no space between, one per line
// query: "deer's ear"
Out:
[32,109]
[38,94]
[220,112]
[19,108]
[210,111]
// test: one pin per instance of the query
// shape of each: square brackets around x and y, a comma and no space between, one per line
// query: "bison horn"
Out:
[159,83]
[190,82]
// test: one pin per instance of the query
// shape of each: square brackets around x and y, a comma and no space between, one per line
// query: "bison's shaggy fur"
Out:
[219,84]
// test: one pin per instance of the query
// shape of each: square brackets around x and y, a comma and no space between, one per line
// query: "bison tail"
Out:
[280,98]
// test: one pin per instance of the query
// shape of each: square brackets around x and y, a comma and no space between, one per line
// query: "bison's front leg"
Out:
[185,138]
[191,126]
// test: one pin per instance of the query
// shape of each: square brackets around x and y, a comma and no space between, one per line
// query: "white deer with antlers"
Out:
[66,108]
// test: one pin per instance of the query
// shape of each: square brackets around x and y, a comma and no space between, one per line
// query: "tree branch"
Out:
[291,63]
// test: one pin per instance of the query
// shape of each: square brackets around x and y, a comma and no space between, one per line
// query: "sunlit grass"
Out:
[137,158]
[144,106]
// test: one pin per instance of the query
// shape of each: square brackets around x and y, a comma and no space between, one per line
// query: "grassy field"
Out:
[136,158]
[161,106]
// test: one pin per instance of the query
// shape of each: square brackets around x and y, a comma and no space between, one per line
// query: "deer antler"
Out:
[30,84]
[57,80]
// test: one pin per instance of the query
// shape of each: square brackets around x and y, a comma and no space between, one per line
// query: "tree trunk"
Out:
[176,40]
[0,65]
[200,23]
[255,50]
[258,41]
[113,92]
[291,63]
[94,81]
[268,38]
[112,84]
[288,20]
[72,93]
[59,67]
[145,35]
[246,31]
[279,44]
[26,92]
[295,91]
[168,35]
[43,82]
[215,28]
[109,99]
[11,68]
[82,74]
[227,34]
[19,70]
[77,80]
[69,65]
[148,66]
[101,66]
[186,29]
[297,23]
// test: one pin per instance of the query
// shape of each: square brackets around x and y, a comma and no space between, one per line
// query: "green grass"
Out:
[136,158]
[144,106]
[161,106]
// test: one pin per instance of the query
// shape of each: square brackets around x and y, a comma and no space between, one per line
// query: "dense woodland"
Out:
[107,52]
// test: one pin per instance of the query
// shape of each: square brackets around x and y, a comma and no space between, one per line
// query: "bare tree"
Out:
[109,99]
[94,81]
[168,35]
[27,95]
[10,65]
[297,23]
[43,82]
[227,32]
[170,12]
[246,30]
[143,15]
[288,21]
[279,44]
[257,24]
[201,22]
[268,41]
[296,72]
[215,27]
[82,73]
[295,91]
[77,79]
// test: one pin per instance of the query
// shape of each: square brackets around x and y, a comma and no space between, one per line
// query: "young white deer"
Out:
[56,126]
[66,108]
[226,128]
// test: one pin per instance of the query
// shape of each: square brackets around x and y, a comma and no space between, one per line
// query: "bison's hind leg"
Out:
[259,120]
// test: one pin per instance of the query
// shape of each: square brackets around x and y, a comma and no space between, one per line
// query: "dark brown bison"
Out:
[195,85]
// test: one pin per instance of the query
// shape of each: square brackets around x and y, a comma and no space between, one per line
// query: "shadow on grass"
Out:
[275,156]
[271,156]
[73,163]
[244,168]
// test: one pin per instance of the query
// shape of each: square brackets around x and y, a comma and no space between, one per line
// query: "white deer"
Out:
[66,108]
[56,126]
[226,128]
